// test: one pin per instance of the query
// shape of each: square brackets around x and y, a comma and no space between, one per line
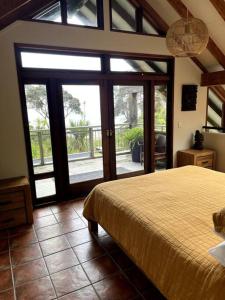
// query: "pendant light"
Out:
[187,37]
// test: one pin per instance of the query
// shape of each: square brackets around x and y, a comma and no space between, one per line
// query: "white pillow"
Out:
[218,252]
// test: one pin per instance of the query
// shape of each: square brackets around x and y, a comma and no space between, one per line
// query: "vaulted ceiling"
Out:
[163,13]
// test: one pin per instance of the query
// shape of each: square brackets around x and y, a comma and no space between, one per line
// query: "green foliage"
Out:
[134,135]
[77,138]
[36,97]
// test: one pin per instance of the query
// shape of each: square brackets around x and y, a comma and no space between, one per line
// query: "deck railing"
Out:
[83,142]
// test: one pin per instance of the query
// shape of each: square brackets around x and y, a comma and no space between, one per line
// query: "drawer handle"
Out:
[5,202]
[205,162]
[7,220]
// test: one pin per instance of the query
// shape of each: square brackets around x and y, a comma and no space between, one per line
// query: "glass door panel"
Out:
[129,128]
[82,115]
[40,138]
[45,187]
[160,97]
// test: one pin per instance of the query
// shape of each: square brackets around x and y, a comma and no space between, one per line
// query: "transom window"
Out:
[76,12]
[81,62]
[60,61]
[126,16]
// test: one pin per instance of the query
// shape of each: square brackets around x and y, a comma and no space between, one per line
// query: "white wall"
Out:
[185,123]
[216,141]
[12,146]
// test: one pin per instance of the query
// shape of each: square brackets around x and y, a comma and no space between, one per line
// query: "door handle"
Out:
[109,132]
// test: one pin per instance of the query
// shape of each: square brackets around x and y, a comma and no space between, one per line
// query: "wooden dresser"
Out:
[15,202]
[205,158]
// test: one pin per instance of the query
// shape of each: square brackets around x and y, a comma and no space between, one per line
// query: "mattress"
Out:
[163,221]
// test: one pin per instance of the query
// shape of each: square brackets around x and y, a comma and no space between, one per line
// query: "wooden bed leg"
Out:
[93,226]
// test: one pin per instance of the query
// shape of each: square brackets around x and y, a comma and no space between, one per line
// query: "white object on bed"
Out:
[218,252]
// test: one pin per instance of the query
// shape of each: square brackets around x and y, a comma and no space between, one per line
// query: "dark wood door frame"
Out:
[105,78]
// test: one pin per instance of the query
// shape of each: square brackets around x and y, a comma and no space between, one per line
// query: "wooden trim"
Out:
[82,51]
[26,129]
[170,116]
[63,6]
[100,14]
[30,8]
[84,76]
[223,116]
[46,175]
[151,120]
[140,12]
[219,6]
[199,64]
[139,18]
[214,78]
[157,22]
[19,13]
[60,23]
[207,107]
[181,9]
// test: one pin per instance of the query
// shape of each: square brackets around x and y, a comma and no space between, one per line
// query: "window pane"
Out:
[83,132]
[160,127]
[52,13]
[131,65]
[82,12]
[214,110]
[123,15]
[148,28]
[45,187]
[39,127]
[59,61]
[129,128]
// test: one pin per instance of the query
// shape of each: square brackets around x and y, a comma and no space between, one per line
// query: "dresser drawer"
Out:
[11,200]
[12,218]
[205,161]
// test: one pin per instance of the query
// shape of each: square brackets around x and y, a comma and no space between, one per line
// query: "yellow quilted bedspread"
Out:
[163,221]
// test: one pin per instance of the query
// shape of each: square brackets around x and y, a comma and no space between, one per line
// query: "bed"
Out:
[163,221]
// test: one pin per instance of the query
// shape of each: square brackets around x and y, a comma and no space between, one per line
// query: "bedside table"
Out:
[205,158]
[15,202]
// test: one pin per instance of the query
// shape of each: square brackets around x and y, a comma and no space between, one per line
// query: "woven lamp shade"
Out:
[187,37]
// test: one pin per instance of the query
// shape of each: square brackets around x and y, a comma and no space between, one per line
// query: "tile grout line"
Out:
[65,269]
[11,267]
[86,274]
[120,269]
[47,268]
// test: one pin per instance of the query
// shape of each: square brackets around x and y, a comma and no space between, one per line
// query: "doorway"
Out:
[83,127]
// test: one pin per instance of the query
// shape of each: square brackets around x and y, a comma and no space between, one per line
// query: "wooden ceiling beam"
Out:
[25,9]
[218,90]
[214,78]
[219,6]
[181,9]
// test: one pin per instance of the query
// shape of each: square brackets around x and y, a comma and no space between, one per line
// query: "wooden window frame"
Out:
[139,14]
[63,9]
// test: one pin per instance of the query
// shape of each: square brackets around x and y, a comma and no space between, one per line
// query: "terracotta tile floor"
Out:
[57,258]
